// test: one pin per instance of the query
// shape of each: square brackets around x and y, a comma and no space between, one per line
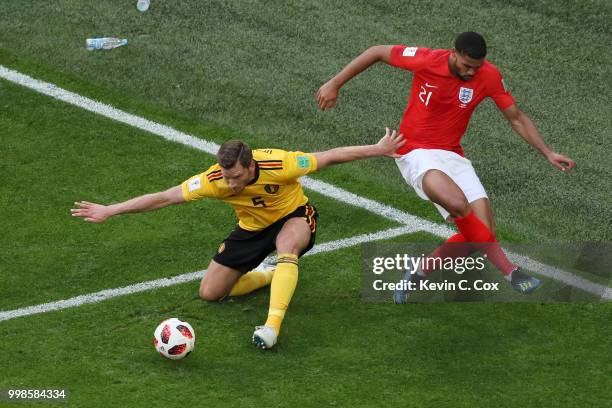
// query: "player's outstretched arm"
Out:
[522,125]
[327,95]
[92,212]
[386,146]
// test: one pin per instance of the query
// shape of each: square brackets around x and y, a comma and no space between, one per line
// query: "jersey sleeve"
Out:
[498,91]
[409,58]
[200,186]
[298,164]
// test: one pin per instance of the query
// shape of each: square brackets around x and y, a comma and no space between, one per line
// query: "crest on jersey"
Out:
[409,51]
[465,94]
[271,188]
[194,184]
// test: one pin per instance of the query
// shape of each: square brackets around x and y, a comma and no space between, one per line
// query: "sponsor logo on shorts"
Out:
[221,248]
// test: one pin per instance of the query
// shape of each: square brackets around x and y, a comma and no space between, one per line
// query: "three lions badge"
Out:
[465,95]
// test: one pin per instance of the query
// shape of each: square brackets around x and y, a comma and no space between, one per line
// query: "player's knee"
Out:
[209,294]
[458,206]
[287,247]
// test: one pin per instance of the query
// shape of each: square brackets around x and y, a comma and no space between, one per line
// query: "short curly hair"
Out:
[471,44]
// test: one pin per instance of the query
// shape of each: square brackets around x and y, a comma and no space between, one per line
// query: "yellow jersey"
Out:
[274,193]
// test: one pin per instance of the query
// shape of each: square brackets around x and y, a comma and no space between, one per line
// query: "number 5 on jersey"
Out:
[258,201]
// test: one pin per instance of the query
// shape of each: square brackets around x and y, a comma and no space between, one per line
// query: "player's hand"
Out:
[560,161]
[91,212]
[327,95]
[390,142]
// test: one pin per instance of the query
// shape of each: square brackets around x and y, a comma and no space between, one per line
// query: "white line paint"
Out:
[108,111]
[361,239]
[322,187]
[560,275]
[99,296]
[377,208]
[188,277]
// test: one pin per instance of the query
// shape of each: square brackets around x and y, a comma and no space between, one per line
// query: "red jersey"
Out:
[441,104]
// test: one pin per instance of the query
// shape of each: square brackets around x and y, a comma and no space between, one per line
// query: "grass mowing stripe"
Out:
[324,188]
[174,135]
[108,111]
[187,277]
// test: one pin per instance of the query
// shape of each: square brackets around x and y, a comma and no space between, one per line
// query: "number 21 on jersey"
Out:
[425,95]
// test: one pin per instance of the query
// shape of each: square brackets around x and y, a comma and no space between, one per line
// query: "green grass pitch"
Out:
[250,69]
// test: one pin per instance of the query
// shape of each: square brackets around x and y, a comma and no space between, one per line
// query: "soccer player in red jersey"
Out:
[447,86]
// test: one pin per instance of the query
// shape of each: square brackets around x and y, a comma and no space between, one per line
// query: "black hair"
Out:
[471,44]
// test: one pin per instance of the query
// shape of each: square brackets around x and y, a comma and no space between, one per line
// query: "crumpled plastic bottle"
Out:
[105,43]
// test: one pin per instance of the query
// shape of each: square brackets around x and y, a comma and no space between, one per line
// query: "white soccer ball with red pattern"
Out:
[174,338]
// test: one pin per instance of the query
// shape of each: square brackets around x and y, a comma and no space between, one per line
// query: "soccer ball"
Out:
[174,338]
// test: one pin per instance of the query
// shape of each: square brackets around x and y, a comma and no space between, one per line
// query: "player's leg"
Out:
[217,281]
[450,181]
[293,239]
[432,166]
[475,222]
[457,246]
[484,212]
[241,252]
[520,281]
[253,280]
[442,190]
[220,281]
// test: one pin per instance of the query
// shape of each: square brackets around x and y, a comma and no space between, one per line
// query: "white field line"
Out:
[322,187]
[604,292]
[187,277]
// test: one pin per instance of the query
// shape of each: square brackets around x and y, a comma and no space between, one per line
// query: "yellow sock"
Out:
[251,281]
[283,285]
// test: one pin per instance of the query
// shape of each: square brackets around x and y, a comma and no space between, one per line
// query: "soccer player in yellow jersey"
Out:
[273,213]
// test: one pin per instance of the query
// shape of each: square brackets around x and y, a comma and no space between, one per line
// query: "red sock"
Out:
[454,247]
[476,232]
